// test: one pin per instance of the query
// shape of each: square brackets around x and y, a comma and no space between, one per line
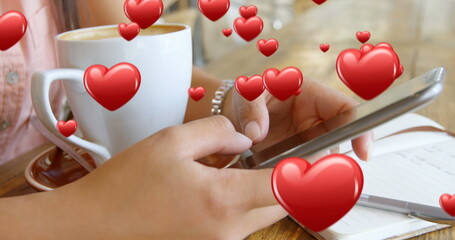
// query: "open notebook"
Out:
[415,166]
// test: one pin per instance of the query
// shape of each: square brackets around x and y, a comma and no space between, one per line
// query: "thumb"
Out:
[252,116]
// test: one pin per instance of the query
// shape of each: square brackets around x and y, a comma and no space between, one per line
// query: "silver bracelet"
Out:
[220,94]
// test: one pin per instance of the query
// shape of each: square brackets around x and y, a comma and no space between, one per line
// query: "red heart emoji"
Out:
[366,48]
[249,28]
[298,92]
[227,32]
[114,87]
[399,72]
[12,28]
[324,47]
[319,1]
[250,88]
[317,195]
[284,84]
[248,12]
[143,12]
[67,128]
[370,71]
[267,47]
[397,60]
[363,37]
[128,32]
[213,9]
[196,93]
[447,203]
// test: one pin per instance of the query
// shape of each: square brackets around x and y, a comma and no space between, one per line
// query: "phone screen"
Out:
[351,123]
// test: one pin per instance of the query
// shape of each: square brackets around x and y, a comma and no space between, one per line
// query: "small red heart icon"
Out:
[227,32]
[196,93]
[284,84]
[317,195]
[250,88]
[213,9]
[67,128]
[12,28]
[114,87]
[128,31]
[319,1]
[363,37]
[249,28]
[447,203]
[369,71]
[143,12]
[267,47]
[324,47]
[248,12]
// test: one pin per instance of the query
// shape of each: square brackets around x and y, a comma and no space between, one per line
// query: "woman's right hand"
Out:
[156,190]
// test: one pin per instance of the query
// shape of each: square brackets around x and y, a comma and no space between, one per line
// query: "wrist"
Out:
[221,96]
[35,216]
[227,109]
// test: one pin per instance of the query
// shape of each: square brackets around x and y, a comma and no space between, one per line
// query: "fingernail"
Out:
[252,130]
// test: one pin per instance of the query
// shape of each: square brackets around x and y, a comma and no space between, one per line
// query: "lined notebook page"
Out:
[408,120]
[419,174]
[417,167]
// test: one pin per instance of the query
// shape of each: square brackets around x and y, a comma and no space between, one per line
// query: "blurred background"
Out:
[210,43]
[422,33]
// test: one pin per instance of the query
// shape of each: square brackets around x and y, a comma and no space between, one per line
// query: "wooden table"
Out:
[422,33]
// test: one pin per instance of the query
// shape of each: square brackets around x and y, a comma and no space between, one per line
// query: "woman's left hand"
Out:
[267,120]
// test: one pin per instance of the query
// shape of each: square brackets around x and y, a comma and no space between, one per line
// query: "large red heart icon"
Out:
[249,28]
[369,71]
[318,195]
[67,128]
[396,59]
[12,28]
[114,87]
[213,9]
[447,202]
[249,88]
[284,84]
[143,12]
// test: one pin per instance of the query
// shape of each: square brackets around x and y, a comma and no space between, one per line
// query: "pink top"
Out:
[34,52]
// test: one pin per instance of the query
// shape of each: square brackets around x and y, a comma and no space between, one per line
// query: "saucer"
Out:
[54,168]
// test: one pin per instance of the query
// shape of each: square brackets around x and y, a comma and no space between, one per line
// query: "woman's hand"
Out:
[154,190]
[267,120]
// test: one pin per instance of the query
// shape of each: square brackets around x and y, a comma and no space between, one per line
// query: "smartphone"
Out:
[394,102]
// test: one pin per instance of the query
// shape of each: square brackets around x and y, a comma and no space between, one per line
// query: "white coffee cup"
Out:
[163,56]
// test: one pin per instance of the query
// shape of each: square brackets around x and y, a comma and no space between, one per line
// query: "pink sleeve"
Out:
[34,52]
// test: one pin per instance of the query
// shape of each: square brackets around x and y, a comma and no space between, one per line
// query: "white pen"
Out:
[414,209]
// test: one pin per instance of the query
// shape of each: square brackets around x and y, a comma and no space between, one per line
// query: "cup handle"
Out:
[41,82]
